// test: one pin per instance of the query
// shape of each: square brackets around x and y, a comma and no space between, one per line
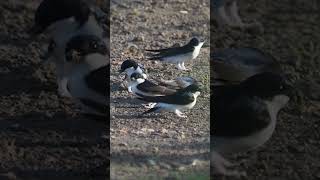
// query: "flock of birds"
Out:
[165,95]
[248,88]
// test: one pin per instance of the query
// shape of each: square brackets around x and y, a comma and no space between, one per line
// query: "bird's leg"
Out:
[179,113]
[183,67]
[234,14]
[149,105]
[222,16]
[62,87]
[130,89]
[237,21]
[179,67]
[221,165]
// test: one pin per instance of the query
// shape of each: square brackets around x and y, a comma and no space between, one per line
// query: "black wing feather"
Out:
[98,80]
[177,98]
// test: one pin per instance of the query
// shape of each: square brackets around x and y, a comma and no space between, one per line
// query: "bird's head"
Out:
[137,77]
[82,45]
[268,86]
[128,64]
[196,42]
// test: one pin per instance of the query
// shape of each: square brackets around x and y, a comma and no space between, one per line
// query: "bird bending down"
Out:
[178,55]
[88,80]
[183,99]
[129,67]
[62,18]
[245,117]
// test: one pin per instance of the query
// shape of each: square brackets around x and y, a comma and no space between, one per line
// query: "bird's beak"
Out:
[201,44]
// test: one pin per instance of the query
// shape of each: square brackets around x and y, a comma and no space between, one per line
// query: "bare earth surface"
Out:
[41,136]
[158,145]
[291,34]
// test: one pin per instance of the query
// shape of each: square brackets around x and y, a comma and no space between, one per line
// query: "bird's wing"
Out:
[98,80]
[151,87]
[162,53]
[178,99]
[242,117]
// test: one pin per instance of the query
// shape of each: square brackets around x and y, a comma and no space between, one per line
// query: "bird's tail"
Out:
[153,50]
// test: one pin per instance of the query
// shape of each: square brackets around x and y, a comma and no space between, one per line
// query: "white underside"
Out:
[224,146]
[77,85]
[174,107]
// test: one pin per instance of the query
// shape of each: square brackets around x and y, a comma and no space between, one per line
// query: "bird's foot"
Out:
[222,166]
[149,105]
[180,114]
[130,89]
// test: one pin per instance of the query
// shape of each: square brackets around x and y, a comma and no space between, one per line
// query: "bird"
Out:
[183,99]
[89,71]
[62,17]
[65,19]
[226,12]
[56,55]
[178,55]
[130,66]
[234,65]
[245,116]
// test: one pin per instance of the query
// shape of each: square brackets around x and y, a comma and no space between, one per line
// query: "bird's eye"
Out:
[95,45]
[281,87]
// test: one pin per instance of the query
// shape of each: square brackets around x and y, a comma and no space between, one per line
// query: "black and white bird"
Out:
[234,65]
[88,79]
[226,12]
[183,99]
[138,85]
[178,55]
[62,17]
[245,117]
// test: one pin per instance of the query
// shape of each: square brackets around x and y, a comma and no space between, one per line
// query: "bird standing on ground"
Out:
[183,99]
[245,117]
[61,17]
[88,80]
[178,55]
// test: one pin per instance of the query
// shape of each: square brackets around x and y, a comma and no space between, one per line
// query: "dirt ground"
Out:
[158,145]
[291,35]
[42,136]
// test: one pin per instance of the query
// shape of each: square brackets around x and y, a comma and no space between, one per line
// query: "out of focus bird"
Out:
[226,12]
[88,79]
[234,65]
[245,117]
[62,17]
